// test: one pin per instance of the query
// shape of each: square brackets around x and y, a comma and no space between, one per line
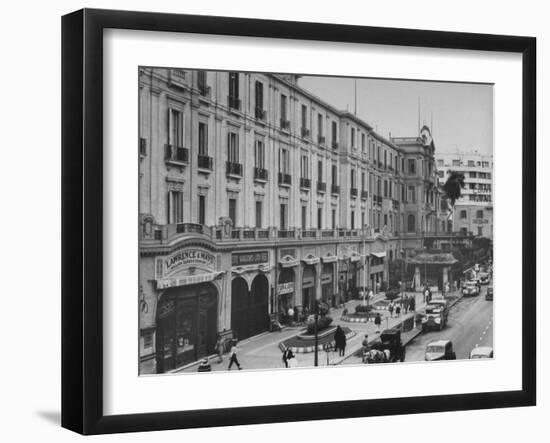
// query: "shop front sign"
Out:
[285,288]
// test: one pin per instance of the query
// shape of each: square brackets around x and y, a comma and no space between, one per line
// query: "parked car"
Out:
[436,314]
[482,352]
[489,293]
[470,287]
[440,350]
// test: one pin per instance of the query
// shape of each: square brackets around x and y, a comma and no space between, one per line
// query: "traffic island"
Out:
[305,342]
[362,314]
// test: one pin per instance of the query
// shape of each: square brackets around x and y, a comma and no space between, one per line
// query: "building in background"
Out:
[255,197]
[473,212]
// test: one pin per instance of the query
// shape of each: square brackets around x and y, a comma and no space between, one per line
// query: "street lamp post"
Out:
[364,288]
[425,278]
[315,330]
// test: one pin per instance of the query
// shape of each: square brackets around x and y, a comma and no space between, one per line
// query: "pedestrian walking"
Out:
[377,322]
[218,348]
[406,304]
[290,314]
[390,308]
[366,347]
[340,341]
[204,366]
[233,358]
[426,294]
[287,355]
[397,310]
[412,303]
[292,361]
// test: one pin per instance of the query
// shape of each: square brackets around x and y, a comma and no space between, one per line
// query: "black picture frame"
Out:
[82,215]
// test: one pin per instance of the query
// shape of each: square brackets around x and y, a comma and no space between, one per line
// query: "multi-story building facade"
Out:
[257,196]
[473,212]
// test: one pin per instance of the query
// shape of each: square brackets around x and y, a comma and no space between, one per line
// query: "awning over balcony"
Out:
[381,254]
[354,257]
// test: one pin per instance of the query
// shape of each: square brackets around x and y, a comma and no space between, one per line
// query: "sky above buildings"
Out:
[459,114]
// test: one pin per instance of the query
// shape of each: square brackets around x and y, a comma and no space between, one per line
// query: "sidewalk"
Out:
[262,351]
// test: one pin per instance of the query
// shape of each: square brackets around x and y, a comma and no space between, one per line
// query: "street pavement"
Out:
[469,325]
[263,352]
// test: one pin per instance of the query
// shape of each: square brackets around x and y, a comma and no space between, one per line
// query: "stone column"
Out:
[417,280]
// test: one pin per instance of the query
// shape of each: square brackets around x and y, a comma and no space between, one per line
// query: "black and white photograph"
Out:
[296,221]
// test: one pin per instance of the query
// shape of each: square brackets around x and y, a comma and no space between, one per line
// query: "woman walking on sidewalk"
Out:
[377,322]
[340,341]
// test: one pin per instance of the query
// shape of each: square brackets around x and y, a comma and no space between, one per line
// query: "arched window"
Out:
[411,223]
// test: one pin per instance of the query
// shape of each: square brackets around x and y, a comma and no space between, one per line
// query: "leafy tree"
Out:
[452,189]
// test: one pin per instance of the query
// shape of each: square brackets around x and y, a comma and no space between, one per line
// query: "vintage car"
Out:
[435,315]
[440,350]
[489,293]
[470,287]
[483,278]
[388,349]
[482,352]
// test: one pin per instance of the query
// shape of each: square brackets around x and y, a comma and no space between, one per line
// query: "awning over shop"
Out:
[329,258]
[379,254]
[311,259]
[288,261]
[355,257]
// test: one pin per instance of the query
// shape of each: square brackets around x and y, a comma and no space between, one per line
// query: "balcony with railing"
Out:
[259,113]
[285,179]
[395,204]
[177,78]
[286,233]
[305,183]
[321,187]
[234,102]
[334,144]
[364,194]
[309,233]
[234,169]
[335,189]
[305,132]
[260,174]
[204,90]
[285,124]
[176,154]
[205,162]
[353,192]
[321,139]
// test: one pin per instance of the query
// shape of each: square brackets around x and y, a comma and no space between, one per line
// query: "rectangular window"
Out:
[385,159]
[201,81]
[320,170]
[363,144]
[352,219]
[233,211]
[403,196]
[259,96]
[233,147]
[202,210]
[319,218]
[234,85]
[385,219]
[440,162]
[203,139]
[304,220]
[334,132]
[283,107]
[258,214]
[352,141]
[304,167]
[175,207]
[282,216]
[385,189]
[352,177]
[259,154]
[320,124]
[456,162]
[334,219]
[412,195]
[304,116]
[473,174]
[284,165]
[484,164]
[175,130]
[362,181]
[334,175]
[471,163]
[362,219]
[412,166]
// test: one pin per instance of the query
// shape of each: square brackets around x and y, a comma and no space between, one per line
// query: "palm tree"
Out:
[452,189]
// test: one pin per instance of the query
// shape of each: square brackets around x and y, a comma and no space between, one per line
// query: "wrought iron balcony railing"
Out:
[234,102]
[305,183]
[234,168]
[205,162]
[321,187]
[285,179]
[176,154]
[260,174]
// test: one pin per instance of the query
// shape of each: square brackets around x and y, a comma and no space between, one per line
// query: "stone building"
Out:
[256,196]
